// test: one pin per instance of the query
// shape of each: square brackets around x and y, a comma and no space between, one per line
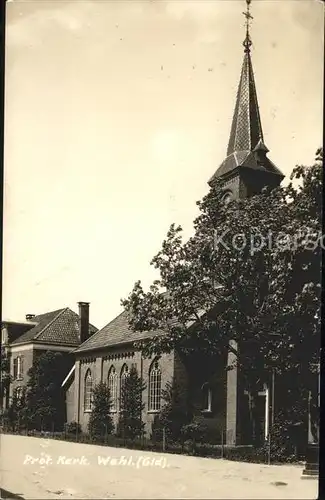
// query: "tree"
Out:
[174,413]
[15,415]
[130,423]
[100,422]
[44,396]
[247,282]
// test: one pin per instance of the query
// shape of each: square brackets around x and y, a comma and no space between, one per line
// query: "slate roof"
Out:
[240,159]
[56,327]
[246,128]
[115,333]
[246,134]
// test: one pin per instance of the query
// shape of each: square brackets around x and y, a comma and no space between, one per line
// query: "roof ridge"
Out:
[98,331]
[51,322]
[76,314]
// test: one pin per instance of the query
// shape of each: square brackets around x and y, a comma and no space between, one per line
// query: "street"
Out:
[44,468]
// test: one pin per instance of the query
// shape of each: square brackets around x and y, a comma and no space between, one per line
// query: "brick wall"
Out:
[234,185]
[180,372]
[232,401]
[166,363]
[86,364]
[100,365]
[69,401]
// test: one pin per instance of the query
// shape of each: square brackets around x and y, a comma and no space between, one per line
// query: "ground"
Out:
[103,472]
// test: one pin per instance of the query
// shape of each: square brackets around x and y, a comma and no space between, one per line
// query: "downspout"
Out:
[78,405]
[141,375]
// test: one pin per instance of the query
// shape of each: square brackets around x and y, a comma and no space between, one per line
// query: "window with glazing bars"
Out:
[88,391]
[124,375]
[154,387]
[112,385]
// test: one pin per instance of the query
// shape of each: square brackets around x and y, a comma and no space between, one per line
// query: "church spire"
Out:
[246,146]
[246,130]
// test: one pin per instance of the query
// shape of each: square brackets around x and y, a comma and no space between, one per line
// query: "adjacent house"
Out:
[61,331]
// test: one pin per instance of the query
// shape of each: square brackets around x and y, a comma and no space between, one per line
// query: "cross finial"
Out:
[247,42]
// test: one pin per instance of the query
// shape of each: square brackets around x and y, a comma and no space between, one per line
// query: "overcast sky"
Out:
[117,113]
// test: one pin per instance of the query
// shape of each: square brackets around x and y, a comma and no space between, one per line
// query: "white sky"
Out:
[117,114]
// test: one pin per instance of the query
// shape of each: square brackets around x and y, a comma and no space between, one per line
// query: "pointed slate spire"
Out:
[246,128]
[246,147]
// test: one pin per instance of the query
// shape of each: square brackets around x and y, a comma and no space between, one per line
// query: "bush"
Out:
[72,428]
[173,415]
[15,417]
[195,431]
[245,454]
[130,422]
[100,422]
[288,438]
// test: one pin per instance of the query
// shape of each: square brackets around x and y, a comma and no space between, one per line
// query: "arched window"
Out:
[88,389]
[123,377]
[206,398]
[227,197]
[154,387]
[112,385]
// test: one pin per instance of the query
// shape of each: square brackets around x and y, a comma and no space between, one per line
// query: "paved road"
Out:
[43,469]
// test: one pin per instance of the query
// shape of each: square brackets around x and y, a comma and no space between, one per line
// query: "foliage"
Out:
[44,396]
[132,405]
[72,427]
[290,427]
[15,415]
[248,278]
[174,413]
[100,422]
[195,431]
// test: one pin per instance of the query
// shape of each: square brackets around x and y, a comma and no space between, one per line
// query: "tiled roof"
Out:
[114,333]
[55,327]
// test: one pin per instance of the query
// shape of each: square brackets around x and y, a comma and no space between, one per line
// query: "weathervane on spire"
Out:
[247,42]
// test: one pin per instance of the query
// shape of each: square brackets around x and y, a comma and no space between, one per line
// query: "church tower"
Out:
[246,169]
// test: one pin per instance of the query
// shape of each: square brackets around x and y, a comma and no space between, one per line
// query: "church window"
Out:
[112,385]
[227,197]
[123,377]
[88,391]
[154,387]
[206,398]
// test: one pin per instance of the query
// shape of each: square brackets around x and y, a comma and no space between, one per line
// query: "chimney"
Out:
[29,317]
[83,321]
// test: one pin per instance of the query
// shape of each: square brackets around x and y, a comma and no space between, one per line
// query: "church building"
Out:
[218,395]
